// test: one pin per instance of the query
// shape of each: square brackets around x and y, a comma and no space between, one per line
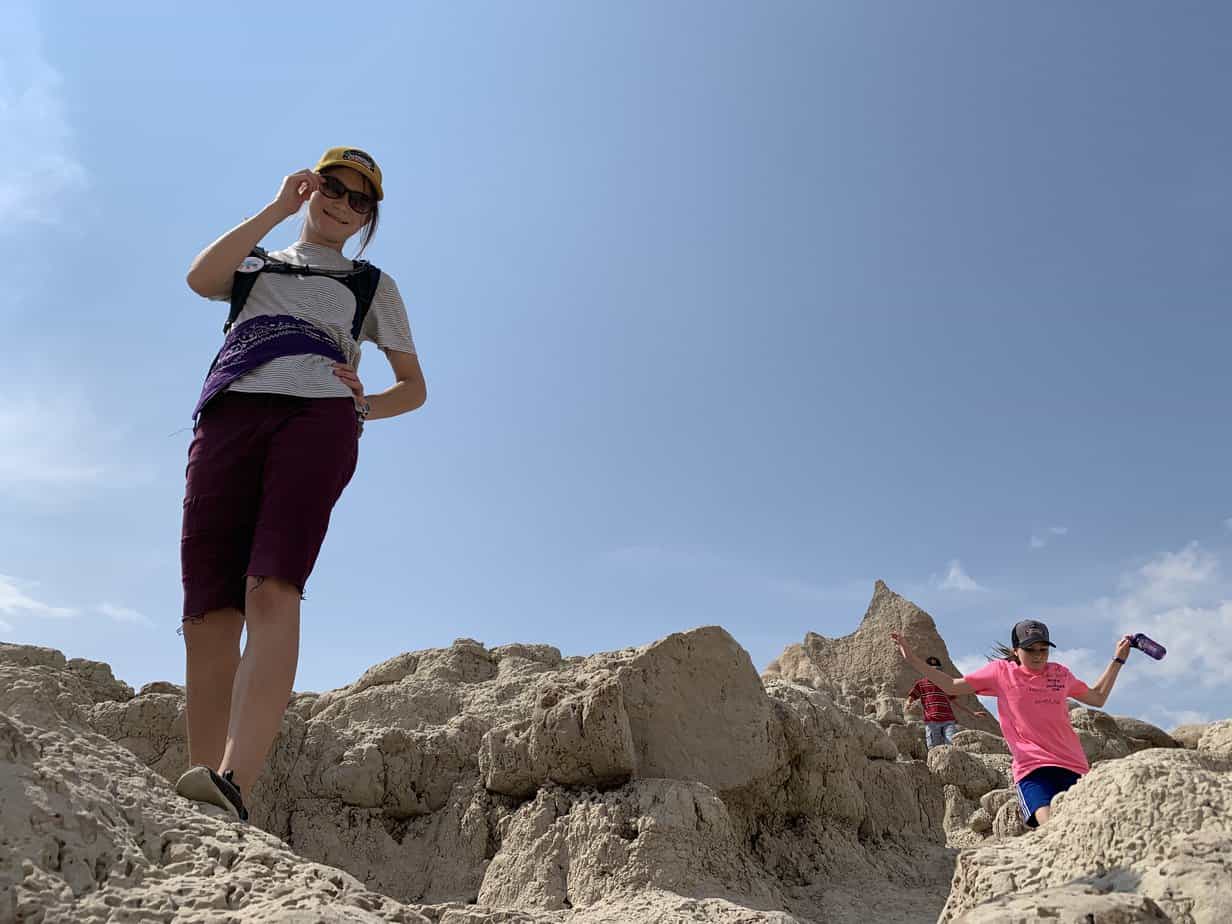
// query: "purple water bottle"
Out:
[1148,646]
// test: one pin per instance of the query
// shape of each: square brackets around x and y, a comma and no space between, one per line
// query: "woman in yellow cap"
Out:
[274,445]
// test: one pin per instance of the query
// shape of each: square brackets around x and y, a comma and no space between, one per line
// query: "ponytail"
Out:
[369,227]
[1003,653]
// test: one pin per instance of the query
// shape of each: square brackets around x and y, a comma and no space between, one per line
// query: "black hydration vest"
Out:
[361,279]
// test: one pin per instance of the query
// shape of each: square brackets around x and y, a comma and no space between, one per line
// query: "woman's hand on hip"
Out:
[350,378]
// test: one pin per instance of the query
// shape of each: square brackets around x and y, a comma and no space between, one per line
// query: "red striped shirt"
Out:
[936,703]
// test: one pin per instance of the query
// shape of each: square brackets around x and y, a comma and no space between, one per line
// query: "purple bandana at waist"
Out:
[256,342]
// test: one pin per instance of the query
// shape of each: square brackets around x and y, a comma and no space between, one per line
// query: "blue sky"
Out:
[726,310]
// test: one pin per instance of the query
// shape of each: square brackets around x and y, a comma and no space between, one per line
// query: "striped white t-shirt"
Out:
[329,305]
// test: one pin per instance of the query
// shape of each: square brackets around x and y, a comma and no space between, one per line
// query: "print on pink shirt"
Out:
[1034,714]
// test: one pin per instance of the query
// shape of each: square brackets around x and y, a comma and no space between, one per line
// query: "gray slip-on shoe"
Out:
[201,784]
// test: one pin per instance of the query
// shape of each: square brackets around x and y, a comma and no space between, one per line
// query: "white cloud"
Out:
[1083,663]
[1194,637]
[969,664]
[14,601]
[1171,718]
[956,579]
[1191,565]
[123,614]
[1181,600]
[1040,538]
[41,171]
[1190,576]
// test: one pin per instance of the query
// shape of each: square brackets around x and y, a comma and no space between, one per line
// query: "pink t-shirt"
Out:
[1034,714]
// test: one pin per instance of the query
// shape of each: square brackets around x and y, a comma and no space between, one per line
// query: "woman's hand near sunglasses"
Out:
[213,268]
[295,191]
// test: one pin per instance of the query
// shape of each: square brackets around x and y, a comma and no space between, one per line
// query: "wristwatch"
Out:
[364,410]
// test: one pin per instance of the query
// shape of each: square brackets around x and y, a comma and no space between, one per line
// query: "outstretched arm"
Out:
[1098,695]
[948,684]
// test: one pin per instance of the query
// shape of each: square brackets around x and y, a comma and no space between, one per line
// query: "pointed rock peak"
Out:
[890,611]
[867,660]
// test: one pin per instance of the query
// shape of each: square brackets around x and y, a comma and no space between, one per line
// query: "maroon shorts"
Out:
[264,472]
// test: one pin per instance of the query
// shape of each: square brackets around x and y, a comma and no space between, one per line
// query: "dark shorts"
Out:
[264,473]
[1036,789]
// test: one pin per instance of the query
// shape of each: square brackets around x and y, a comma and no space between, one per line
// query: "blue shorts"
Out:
[1036,789]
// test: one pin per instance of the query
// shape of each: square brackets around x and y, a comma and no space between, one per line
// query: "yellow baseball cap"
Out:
[360,161]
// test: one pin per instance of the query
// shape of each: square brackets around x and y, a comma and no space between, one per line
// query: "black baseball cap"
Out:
[1028,632]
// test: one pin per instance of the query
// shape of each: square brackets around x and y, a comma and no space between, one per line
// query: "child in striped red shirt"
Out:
[940,724]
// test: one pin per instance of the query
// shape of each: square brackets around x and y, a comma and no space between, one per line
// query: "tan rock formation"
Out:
[984,769]
[88,834]
[472,785]
[1156,824]
[1188,736]
[1105,736]
[1070,904]
[974,741]
[1217,738]
[866,663]
[909,739]
[1144,735]
[563,850]
[1101,737]
[1007,820]
[973,774]
[663,784]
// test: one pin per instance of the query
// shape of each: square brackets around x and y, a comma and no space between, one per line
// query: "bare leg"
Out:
[265,677]
[1042,813]
[212,654]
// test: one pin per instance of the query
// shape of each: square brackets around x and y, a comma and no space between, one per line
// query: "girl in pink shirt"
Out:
[1032,705]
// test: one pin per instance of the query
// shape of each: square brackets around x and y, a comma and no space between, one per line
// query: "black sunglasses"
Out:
[334,188]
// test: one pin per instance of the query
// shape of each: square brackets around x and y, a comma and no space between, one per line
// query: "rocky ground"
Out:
[665,783]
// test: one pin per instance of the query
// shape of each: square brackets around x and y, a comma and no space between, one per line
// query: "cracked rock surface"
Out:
[1154,825]
[90,834]
[663,783]
[660,783]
